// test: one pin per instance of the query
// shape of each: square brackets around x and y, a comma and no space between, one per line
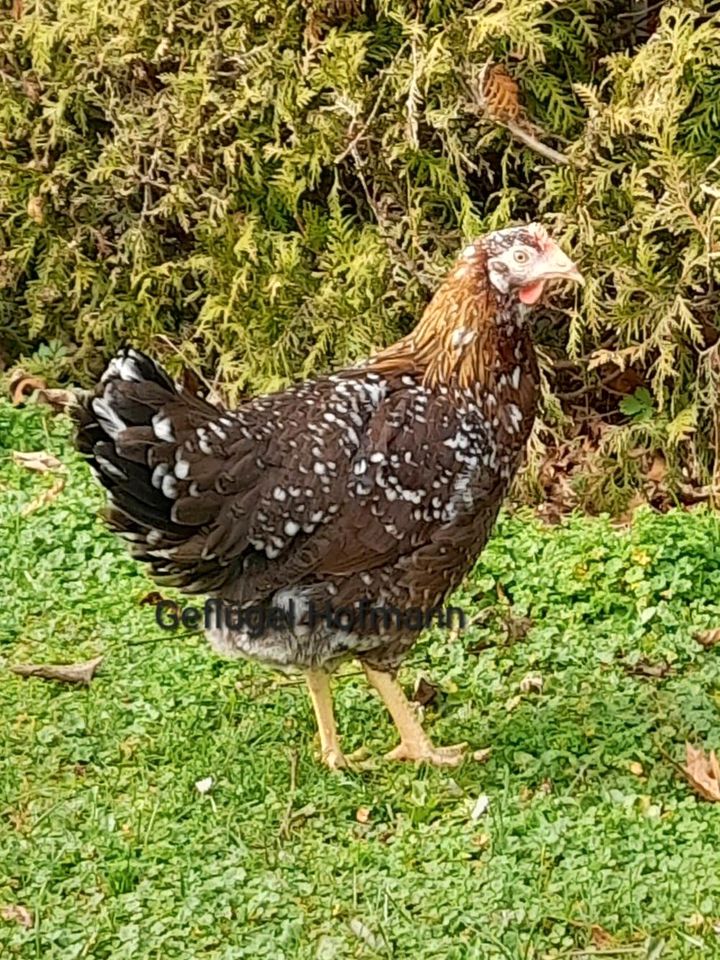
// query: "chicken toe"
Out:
[425,752]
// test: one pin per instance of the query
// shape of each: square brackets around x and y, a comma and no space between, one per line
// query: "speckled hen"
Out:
[378,485]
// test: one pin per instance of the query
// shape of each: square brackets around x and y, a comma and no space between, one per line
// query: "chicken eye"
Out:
[520,256]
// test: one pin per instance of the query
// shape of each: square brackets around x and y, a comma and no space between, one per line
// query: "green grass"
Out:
[107,843]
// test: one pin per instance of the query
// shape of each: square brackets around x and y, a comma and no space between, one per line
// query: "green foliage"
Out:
[105,840]
[638,405]
[645,211]
[268,188]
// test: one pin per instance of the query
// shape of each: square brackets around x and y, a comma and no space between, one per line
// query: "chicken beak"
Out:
[557,265]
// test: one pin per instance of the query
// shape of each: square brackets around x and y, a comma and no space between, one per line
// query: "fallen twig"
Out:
[62,672]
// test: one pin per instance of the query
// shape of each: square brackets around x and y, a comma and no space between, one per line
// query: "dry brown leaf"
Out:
[500,94]
[645,668]
[625,518]
[708,638]
[43,499]
[63,672]
[58,399]
[703,772]
[362,814]
[16,913]
[601,938]
[517,627]
[658,469]
[482,755]
[625,381]
[424,692]
[36,460]
[22,386]
[151,599]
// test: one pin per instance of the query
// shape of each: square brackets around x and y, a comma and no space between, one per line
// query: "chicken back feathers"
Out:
[379,484]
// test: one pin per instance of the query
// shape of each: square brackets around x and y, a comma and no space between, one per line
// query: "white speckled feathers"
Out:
[348,474]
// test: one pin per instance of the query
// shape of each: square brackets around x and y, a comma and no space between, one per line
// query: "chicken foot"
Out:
[414,742]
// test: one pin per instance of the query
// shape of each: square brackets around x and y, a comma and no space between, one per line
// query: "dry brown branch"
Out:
[63,672]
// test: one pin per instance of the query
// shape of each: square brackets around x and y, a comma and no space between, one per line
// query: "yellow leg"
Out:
[319,686]
[414,742]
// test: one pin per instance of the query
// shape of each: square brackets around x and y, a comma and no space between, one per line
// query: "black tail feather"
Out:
[139,430]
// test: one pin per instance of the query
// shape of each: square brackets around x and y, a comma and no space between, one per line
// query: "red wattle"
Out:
[532,293]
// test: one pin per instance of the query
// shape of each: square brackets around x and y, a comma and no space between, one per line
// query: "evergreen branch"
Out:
[379,101]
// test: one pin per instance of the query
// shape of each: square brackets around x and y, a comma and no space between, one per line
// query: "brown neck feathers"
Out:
[460,334]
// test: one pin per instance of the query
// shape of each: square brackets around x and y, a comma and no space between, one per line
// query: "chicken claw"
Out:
[335,760]
[427,753]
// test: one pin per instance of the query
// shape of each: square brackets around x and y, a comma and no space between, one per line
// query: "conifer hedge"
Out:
[266,188]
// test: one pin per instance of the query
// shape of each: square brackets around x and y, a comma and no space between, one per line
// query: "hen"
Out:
[375,487]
